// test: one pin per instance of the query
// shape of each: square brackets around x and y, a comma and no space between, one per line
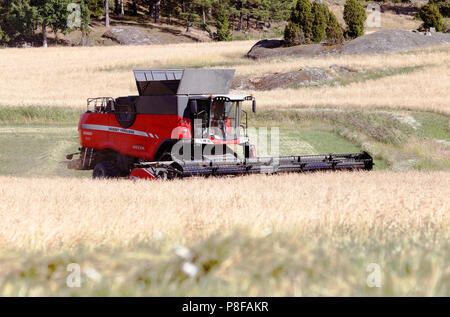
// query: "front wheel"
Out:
[104,170]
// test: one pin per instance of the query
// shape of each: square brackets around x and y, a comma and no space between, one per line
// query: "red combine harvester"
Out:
[183,123]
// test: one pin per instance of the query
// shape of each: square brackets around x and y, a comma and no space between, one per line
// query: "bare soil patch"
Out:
[308,76]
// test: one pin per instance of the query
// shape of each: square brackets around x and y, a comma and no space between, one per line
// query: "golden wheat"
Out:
[420,90]
[53,214]
[67,76]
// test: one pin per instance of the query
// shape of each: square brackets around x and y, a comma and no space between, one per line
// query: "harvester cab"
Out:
[219,119]
[209,118]
[183,123]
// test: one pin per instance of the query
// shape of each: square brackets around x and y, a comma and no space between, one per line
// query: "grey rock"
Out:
[130,36]
[393,40]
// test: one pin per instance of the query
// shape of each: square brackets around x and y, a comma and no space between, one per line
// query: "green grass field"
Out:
[35,140]
[37,150]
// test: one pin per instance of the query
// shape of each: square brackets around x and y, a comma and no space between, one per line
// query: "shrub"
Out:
[334,32]
[312,23]
[443,5]
[223,26]
[354,16]
[430,16]
[325,10]
[293,35]
[319,22]
[301,15]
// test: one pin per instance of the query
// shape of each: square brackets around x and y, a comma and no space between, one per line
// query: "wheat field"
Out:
[67,76]
[260,235]
[59,214]
[422,90]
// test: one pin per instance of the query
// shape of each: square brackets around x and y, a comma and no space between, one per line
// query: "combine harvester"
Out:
[183,123]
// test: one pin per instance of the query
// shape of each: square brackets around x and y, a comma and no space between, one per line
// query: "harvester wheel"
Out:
[104,170]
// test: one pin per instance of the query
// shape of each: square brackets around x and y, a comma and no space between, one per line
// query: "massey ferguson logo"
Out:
[138,147]
[114,129]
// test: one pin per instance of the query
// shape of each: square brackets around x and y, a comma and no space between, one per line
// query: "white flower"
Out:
[183,253]
[93,274]
[190,269]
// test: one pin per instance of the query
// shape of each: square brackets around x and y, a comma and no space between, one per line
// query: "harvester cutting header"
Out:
[183,123]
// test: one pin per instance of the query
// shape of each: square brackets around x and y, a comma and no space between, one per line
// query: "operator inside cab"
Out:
[218,120]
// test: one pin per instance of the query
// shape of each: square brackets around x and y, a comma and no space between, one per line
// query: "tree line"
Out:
[203,11]
[308,22]
[19,19]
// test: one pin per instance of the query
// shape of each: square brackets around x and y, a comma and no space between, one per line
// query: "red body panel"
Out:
[140,173]
[102,131]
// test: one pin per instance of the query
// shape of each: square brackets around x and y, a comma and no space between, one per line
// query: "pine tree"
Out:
[334,33]
[59,21]
[157,11]
[431,17]
[261,12]
[302,16]
[203,6]
[223,26]
[319,23]
[121,11]
[134,7]
[45,16]
[107,13]
[16,19]
[170,8]
[85,19]
[241,9]
[279,10]
[312,23]
[189,14]
[354,16]
[51,14]
[293,35]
